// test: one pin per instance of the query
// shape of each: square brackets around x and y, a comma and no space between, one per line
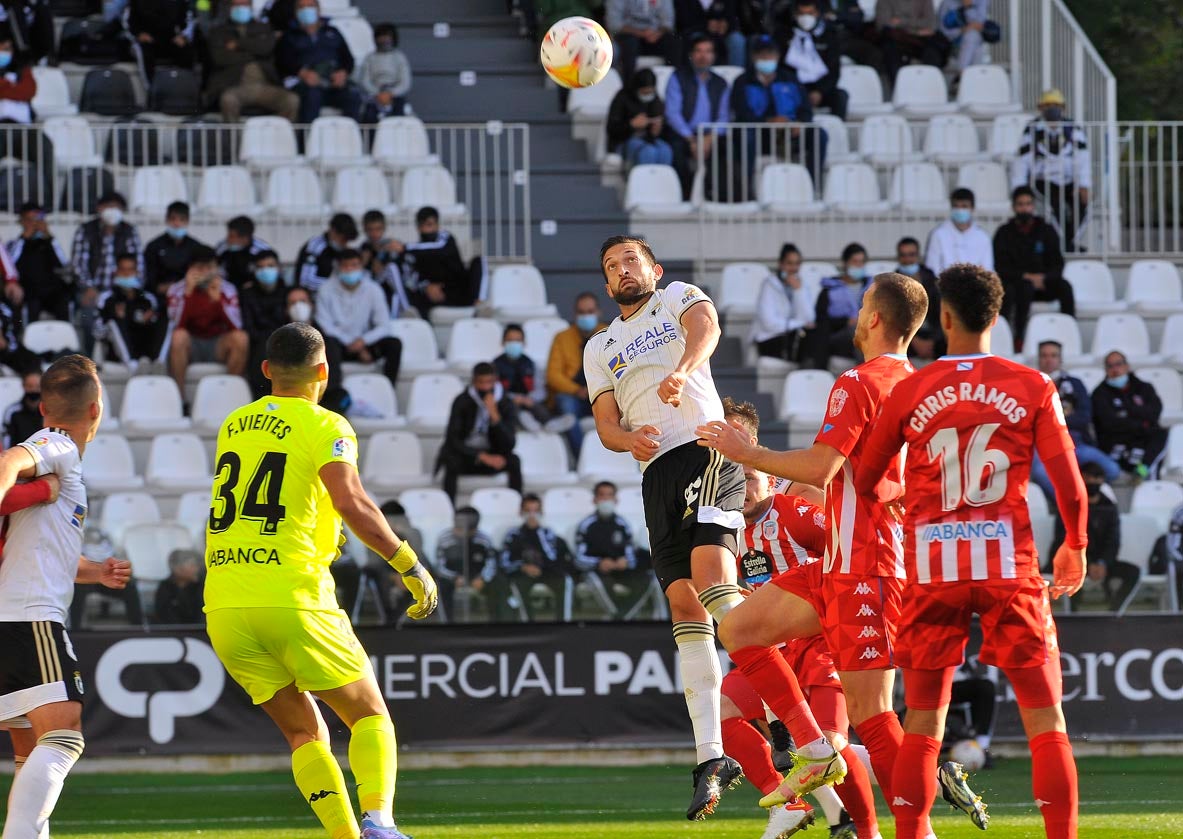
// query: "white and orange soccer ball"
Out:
[969,753]
[576,52]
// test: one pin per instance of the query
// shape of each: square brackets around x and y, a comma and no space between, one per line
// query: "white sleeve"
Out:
[51,453]
[986,258]
[932,254]
[681,296]
[595,370]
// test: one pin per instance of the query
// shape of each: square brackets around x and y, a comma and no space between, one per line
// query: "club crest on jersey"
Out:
[769,528]
[342,447]
[838,401]
[617,365]
[78,517]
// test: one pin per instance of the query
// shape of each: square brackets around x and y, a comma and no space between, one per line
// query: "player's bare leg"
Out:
[56,740]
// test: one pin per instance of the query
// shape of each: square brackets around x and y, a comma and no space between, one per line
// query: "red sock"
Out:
[1053,780]
[914,785]
[857,796]
[776,683]
[882,735]
[743,742]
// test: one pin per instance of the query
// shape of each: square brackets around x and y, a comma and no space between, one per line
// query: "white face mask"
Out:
[301,311]
[806,22]
[606,508]
[111,216]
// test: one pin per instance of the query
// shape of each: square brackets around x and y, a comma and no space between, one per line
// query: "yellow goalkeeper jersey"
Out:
[272,530]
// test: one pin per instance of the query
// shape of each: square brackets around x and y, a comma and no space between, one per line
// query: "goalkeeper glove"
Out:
[418,581]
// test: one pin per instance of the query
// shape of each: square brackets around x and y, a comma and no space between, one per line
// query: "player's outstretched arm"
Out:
[111,572]
[701,325]
[364,518]
[815,466]
[15,463]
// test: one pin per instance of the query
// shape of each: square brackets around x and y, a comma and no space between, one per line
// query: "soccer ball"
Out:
[969,754]
[576,52]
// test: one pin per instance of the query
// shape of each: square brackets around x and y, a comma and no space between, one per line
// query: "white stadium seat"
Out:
[631,507]
[152,404]
[655,190]
[1172,462]
[335,142]
[853,188]
[13,391]
[1124,332]
[540,334]
[52,98]
[990,187]
[518,292]
[147,547]
[1053,326]
[787,188]
[984,91]
[1137,542]
[804,402]
[1172,341]
[565,508]
[431,511]
[402,142]
[592,102]
[393,461]
[1091,377]
[661,75]
[597,463]
[838,139]
[1157,499]
[1002,339]
[73,142]
[1093,287]
[1169,387]
[919,188]
[177,463]
[729,72]
[500,509]
[358,35]
[431,400]
[739,286]
[544,459]
[109,465]
[295,192]
[337,9]
[121,510]
[951,138]
[421,353]
[47,336]
[359,189]
[1154,287]
[430,186]
[216,397]
[473,340]
[920,90]
[227,191]
[374,403]
[865,89]
[193,513]
[887,140]
[881,266]
[1006,132]
[267,142]
[155,187]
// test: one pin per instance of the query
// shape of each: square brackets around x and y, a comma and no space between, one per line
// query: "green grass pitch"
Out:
[1135,797]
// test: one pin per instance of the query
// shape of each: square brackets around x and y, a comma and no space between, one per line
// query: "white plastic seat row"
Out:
[985,90]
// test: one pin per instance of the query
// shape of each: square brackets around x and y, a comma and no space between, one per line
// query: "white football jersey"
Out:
[631,358]
[44,541]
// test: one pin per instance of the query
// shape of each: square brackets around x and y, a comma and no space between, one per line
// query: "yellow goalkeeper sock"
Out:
[320,781]
[373,757]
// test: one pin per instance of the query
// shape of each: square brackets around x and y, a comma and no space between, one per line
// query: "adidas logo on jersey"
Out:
[900,801]
[869,632]
[865,611]
[863,588]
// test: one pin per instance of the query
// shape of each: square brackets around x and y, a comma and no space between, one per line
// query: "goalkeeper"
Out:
[286,477]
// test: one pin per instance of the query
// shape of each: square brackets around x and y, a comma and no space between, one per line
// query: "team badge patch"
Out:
[617,365]
[769,528]
[342,448]
[78,683]
[838,401]
[79,516]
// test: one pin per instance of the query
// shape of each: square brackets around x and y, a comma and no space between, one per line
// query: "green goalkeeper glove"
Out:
[418,581]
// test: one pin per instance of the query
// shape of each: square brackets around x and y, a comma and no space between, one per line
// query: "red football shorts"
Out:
[805,581]
[811,662]
[859,622]
[739,690]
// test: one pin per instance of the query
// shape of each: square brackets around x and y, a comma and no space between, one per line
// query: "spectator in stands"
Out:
[519,378]
[206,319]
[129,315]
[264,310]
[769,93]
[17,85]
[565,380]
[98,547]
[641,27]
[718,19]
[168,256]
[636,123]
[239,250]
[299,306]
[1053,159]
[353,316]
[929,342]
[12,354]
[42,265]
[318,257]
[811,46]
[1028,260]
[959,238]
[164,31]
[380,256]
[315,61]
[604,551]
[1126,413]
[97,241]
[908,32]
[31,23]
[384,76]
[1104,527]
[480,437]
[432,270]
[963,23]
[838,306]
[22,419]
[279,14]
[694,96]
[462,555]
[179,599]
[241,72]
[533,555]
[1078,414]
[785,313]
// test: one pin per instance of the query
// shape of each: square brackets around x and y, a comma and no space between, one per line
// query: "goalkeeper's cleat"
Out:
[786,819]
[807,774]
[955,788]
[711,779]
[845,828]
[369,830]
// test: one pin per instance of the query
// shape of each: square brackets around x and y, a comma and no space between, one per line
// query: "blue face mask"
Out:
[962,216]
[307,15]
[177,233]
[267,276]
[766,66]
[127,282]
[350,278]
[586,323]
[514,349]
[1118,382]
[241,14]
[857,272]
[5,59]
[235,248]
[909,270]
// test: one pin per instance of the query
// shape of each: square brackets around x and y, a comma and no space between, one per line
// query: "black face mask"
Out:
[1093,489]
[1024,218]
[33,397]
[428,237]
[483,393]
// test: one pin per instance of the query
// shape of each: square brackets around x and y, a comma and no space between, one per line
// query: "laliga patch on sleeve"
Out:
[343,448]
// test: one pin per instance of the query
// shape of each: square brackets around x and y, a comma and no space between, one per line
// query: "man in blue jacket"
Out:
[316,63]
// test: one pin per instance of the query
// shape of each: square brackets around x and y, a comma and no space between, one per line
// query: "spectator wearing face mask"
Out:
[167,257]
[264,310]
[432,269]
[636,122]
[129,316]
[810,44]
[301,309]
[604,551]
[1053,159]
[23,419]
[461,554]
[964,24]
[384,76]
[17,85]
[959,239]
[533,555]
[929,342]
[207,321]
[480,437]
[838,306]
[242,70]
[785,312]
[97,241]
[238,250]
[1126,413]
[519,379]
[315,62]
[42,265]
[380,255]
[318,257]
[565,379]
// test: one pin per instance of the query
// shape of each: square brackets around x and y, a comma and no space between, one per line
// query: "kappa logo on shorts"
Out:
[869,632]
[865,611]
[863,588]
[870,654]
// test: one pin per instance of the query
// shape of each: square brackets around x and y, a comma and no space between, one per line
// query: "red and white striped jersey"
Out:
[864,538]
[972,425]
[792,532]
